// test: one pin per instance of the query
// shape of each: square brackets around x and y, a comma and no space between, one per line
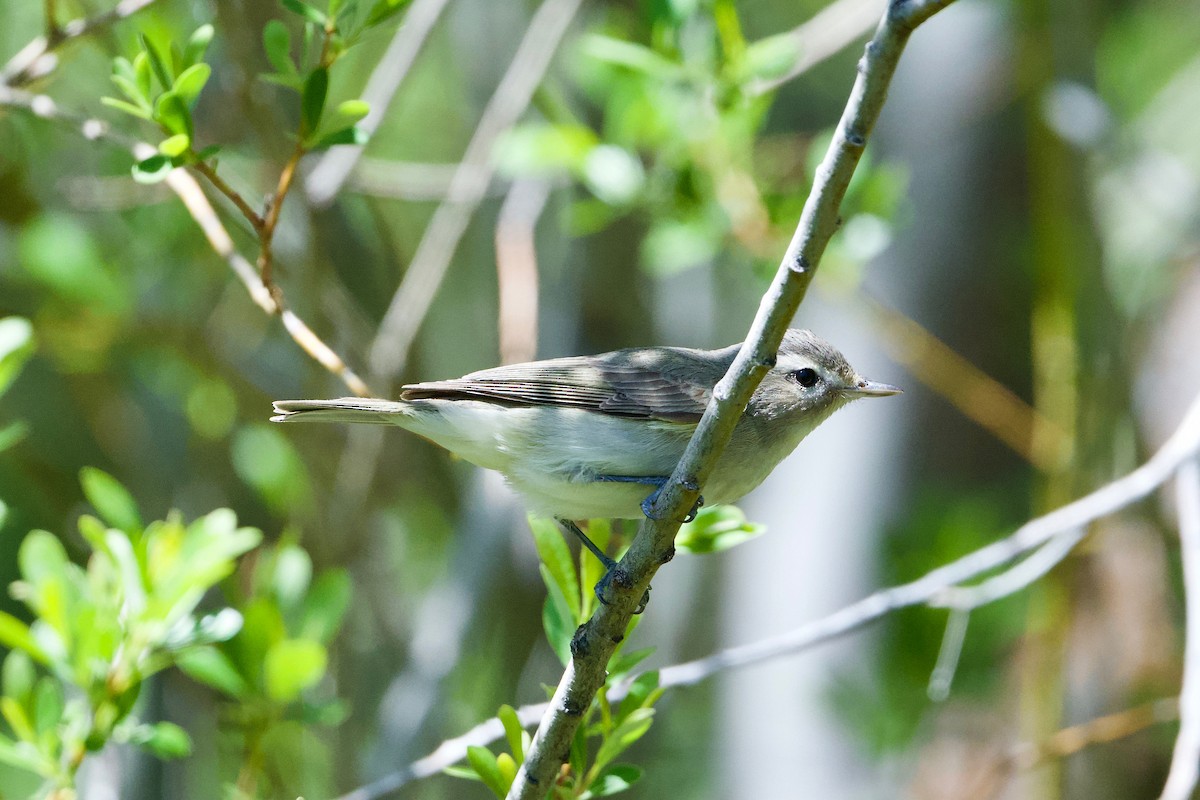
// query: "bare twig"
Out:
[516,269]
[1181,780]
[196,203]
[972,391]
[1100,730]
[831,29]
[1182,446]
[34,59]
[596,639]
[326,179]
[411,301]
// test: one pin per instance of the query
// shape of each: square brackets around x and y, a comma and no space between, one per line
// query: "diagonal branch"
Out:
[938,588]
[596,639]
[468,187]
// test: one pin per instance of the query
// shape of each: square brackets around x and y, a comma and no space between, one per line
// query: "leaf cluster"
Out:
[73,675]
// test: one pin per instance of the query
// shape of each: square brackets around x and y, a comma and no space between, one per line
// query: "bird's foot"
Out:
[604,587]
[651,513]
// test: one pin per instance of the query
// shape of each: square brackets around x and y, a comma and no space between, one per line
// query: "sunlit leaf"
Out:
[113,501]
[556,557]
[615,779]
[558,621]
[513,731]
[163,739]
[197,45]
[17,345]
[292,666]
[191,82]
[15,635]
[716,528]
[157,64]
[483,761]
[172,113]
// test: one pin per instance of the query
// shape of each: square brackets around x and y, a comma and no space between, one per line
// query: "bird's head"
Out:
[810,380]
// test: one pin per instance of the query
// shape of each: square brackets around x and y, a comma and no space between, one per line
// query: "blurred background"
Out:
[1019,252]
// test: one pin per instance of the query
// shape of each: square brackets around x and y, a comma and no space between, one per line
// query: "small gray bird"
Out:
[589,436]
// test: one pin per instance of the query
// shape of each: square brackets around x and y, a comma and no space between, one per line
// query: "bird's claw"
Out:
[603,592]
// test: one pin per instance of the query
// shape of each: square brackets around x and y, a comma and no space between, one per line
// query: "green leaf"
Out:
[16,636]
[163,739]
[14,714]
[484,763]
[325,605]
[291,575]
[113,501]
[142,73]
[622,53]
[557,618]
[622,663]
[16,347]
[508,771]
[152,169]
[556,557]
[305,11]
[48,704]
[191,82]
[122,66]
[632,728]
[18,676]
[157,64]
[128,108]
[716,528]
[131,90]
[643,692]
[172,113]
[353,110]
[351,135]
[277,42]
[466,773]
[22,755]
[316,87]
[210,666]
[197,45]
[174,146]
[292,666]
[513,732]
[384,10]
[615,779]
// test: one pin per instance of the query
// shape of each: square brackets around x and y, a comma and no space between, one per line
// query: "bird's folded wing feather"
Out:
[642,386]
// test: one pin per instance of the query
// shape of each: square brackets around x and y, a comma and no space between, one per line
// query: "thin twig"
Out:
[596,639]
[1181,780]
[326,179]
[982,398]
[1183,445]
[197,205]
[1100,730]
[411,302]
[30,61]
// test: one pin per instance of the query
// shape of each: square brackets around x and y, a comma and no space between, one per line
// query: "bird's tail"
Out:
[344,409]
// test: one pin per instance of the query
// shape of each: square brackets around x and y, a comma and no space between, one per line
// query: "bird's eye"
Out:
[805,377]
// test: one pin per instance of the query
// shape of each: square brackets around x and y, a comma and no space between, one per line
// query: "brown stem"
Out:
[266,232]
[224,188]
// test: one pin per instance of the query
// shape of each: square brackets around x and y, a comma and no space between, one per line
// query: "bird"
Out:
[597,436]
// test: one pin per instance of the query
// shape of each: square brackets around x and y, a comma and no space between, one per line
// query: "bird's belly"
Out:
[553,456]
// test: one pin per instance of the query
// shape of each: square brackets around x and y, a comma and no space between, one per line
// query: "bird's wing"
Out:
[641,384]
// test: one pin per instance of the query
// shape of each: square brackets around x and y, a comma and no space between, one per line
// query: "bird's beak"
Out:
[866,388]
